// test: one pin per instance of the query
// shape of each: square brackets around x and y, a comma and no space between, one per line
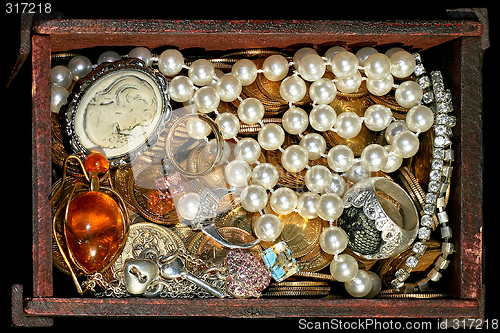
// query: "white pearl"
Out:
[402,64]
[377,66]
[294,158]
[329,206]
[394,161]
[188,205]
[408,94]
[302,53]
[275,67]
[318,179]
[253,198]
[311,67]
[393,50]
[406,144]
[306,205]
[295,120]
[206,99]
[201,72]
[283,201]
[250,111]
[143,54]
[333,240]
[293,89]
[348,125]
[364,53]
[237,173]
[271,136]
[181,89]
[245,70]
[380,87]
[344,64]
[322,117]
[247,149]
[228,87]
[349,84]
[197,128]
[323,91]
[377,117]
[267,227]
[229,125]
[376,285]
[211,149]
[357,173]
[58,97]
[338,185]
[61,76]
[170,62]
[332,52]
[108,56]
[340,158]
[315,144]
[79,66]
[419,118]
[393,129]
[265,175]
[360,285]
[344,268]
[374,157]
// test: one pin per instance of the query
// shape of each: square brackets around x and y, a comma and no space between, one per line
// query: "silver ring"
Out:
[379,218]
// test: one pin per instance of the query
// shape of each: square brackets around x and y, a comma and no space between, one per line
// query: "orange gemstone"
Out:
[95,230]
[96,162]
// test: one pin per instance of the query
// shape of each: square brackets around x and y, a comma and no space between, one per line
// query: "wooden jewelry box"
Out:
[454,46]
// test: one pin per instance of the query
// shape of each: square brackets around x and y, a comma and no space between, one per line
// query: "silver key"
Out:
[175,269]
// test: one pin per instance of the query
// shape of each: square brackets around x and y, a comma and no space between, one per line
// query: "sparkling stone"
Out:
[435,175]
[411,262]
[419,248]
[426,221]
[424,233]
[95,230]
[424,82]
[417,57]
[431,198]
[436,76]
[438,153]
[444,107]
[428,97]
[433,186]
[429,209]
[401,274]
[396,284]
[419,69]
[280,260]
[436,164]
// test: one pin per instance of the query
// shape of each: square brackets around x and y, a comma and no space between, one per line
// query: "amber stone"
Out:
[96,162]
[95,230]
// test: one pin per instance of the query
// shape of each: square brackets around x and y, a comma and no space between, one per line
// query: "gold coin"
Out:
[315,261]
[389,101]
[236,217]
[300,234]
[315,293]
[315,275]
[210,250]
[299,284]
[365,136]
[146,235]
[414,295]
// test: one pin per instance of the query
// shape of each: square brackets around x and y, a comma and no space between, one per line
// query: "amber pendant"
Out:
[96,223]
[94,230]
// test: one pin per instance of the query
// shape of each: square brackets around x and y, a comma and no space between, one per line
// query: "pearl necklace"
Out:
[379,71]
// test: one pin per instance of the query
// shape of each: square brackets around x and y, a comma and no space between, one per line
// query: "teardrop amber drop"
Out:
[95,230]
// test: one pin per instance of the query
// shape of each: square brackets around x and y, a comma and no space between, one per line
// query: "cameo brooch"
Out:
[120,107]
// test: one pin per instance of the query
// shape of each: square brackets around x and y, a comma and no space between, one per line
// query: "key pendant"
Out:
[176,269]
